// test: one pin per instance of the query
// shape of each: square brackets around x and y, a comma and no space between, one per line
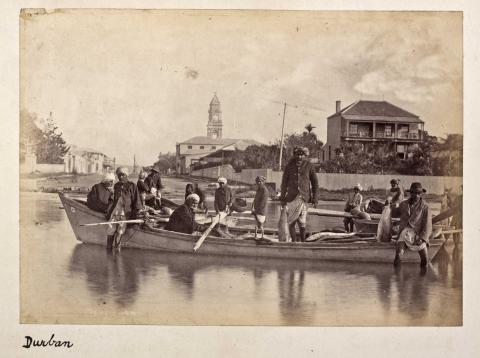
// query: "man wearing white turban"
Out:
[183,218]
[101,194]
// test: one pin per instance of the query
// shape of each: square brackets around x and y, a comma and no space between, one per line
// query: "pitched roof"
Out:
[208,140]
[376,109]
[215,99]
[241,145]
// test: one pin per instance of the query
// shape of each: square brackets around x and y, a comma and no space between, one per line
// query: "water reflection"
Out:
[107,274]
[299,295]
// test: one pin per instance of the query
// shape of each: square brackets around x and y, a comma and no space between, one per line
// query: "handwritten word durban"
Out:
[50,343]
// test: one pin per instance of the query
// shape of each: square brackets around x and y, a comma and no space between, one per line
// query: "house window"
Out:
[403,132]
[202,147]
[214,147]
[388,131]
[189,147]
[353,129]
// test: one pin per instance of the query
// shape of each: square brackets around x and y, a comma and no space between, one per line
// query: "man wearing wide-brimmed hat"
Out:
[299,187]
[154,184]
[415,225]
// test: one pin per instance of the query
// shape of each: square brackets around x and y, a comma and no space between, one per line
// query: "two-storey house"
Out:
[370,122]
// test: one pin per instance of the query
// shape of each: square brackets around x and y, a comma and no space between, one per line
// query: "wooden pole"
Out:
[281,140]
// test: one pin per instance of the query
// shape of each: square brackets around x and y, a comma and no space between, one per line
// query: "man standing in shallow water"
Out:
[126,205]
[299,187]
[415,225]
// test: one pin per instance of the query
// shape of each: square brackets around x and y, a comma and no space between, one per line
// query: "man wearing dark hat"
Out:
[415,225]
[154,184]
[299,187]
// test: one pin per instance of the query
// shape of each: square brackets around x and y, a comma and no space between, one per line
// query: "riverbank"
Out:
[81,183]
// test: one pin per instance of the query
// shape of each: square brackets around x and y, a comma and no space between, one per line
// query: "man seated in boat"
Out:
[101,194]
[394,196]
[353,205]
[202,205]
[183,218]
[415,225]
[142,187]
[126,205]
[154,184]
[299,187]
[259,206]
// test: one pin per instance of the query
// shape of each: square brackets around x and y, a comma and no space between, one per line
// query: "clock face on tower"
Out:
[215,117]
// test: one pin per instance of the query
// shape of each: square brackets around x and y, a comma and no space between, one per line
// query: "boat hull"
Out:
[140,236]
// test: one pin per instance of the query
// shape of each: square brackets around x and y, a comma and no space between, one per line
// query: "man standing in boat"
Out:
[299,187]
[415,225]
[154,184]
[126,205]
[223,200]
[259,207]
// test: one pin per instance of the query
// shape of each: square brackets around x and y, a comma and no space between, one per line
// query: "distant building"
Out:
[194,149]
[86,161]
[369,122]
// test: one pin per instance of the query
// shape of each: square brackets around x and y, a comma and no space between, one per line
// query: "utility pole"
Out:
[134,165]
[281,140]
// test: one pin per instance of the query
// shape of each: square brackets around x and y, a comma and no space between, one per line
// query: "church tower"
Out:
[214,126]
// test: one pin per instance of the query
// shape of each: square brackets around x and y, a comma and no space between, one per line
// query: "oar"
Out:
[136,221]
[200,241]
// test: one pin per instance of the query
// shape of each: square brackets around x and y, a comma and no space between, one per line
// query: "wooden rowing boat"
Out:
[142,236]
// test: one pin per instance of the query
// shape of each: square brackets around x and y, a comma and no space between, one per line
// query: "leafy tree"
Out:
[261,156]
[53,147]
[165,161]
[30,134]
[48,145]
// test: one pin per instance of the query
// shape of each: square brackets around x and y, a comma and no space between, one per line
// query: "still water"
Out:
[64,281]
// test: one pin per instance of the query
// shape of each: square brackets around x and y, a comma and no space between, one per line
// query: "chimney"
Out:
[338,106]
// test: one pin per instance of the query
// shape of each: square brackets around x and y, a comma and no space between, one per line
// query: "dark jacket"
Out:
[201,195]
[183,220]
[153,180]
[296,180]
[99,198]
[417,216]
[142,187]
[260,201]
[131,198]
[223,198]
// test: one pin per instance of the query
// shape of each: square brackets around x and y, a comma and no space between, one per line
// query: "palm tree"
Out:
[309,127]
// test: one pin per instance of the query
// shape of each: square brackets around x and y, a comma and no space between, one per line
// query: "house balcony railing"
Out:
[400,136]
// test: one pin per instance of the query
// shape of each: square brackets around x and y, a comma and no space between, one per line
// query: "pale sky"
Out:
[136,82]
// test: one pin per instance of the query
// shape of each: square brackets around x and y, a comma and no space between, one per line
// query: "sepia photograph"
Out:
[241,168]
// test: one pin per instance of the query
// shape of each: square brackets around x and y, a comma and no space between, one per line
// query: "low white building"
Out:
[86,161]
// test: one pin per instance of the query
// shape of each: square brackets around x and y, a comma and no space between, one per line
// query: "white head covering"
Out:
[222,180]
[192,197]
[123,170]
[358,186]
[108,177]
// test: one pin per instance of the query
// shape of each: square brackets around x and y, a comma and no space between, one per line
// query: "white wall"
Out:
[333,181]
